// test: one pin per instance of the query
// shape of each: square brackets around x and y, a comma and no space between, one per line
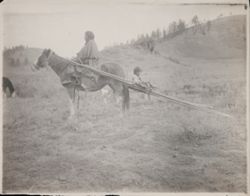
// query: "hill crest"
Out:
[226,38]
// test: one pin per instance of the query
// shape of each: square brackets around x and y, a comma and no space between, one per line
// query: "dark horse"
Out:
[8,88]
[74,77]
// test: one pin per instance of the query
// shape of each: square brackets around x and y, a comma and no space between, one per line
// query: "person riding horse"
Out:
[89,54]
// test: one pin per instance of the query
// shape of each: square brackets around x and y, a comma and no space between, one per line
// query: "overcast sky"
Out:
[60,24]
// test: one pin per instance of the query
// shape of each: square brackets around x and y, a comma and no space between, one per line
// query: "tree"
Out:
[18,62]
[172,28]
[158,34]
[164,34]
[208,25]
[132,42]
[154,35]
[26,61]
[195,22]
[151,45]
[181,25]
[12,62]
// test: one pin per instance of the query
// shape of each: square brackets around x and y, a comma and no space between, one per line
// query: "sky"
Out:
[60,24]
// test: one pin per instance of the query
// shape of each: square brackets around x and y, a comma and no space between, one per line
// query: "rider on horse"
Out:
[89,54]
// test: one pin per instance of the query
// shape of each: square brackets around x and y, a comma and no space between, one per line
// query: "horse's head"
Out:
[42,60]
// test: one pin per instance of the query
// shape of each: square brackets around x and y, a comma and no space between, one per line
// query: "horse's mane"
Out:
[54,57]
[62,63]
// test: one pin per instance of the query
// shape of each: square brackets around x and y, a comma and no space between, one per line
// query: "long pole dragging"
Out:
[135,87]
[182,102]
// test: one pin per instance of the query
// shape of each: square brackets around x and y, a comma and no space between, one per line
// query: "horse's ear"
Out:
[48,51]
[44,51]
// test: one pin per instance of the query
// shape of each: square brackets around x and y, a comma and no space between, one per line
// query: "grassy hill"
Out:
[226,38]
[20,56]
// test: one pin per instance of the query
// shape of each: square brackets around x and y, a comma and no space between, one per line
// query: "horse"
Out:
[8,88]
[75,77]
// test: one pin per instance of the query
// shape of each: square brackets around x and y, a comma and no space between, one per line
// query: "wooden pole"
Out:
[136,87]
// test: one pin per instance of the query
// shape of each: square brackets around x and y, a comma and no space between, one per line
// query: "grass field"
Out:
[157,146]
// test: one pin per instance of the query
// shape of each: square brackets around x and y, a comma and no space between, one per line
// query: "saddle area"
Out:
[78,77]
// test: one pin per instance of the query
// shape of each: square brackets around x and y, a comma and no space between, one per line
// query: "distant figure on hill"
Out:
[151,46]
[8,88]
[89,54]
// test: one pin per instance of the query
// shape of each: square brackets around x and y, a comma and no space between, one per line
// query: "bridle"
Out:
[34,65]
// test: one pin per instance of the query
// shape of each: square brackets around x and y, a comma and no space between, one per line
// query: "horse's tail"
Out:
[126,98]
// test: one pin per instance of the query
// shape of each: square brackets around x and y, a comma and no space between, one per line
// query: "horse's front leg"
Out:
[72,99]
[72,109]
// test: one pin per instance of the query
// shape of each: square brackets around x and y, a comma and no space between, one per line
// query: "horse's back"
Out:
[113,68]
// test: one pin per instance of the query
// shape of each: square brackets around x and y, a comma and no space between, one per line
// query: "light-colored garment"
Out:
[89,54]
[136,79]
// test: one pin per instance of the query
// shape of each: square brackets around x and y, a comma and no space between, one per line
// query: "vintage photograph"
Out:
[124,96]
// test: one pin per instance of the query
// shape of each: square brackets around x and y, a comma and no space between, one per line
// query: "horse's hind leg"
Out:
[125,98]
[123,92]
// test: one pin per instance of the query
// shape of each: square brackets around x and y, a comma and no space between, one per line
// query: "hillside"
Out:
[20,56]
[226,38]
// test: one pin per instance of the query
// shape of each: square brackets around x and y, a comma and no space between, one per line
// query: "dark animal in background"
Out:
[8,88]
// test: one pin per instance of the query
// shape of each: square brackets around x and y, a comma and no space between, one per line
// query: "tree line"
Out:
[148,41]
[15,56]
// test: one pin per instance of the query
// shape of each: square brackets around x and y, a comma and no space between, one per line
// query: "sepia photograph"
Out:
[124,96]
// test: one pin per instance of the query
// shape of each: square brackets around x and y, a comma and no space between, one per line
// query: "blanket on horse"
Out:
[71,74]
